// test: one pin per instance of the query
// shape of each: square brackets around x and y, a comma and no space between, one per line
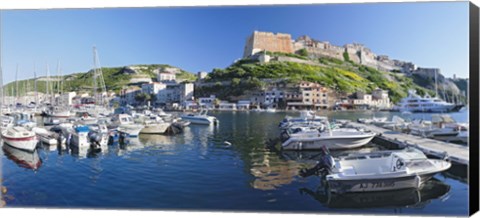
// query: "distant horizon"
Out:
[203,38]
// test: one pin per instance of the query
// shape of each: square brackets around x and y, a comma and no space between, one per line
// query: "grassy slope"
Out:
[336,74]
[114,78]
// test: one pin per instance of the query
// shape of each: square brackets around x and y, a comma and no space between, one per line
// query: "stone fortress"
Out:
[357,53]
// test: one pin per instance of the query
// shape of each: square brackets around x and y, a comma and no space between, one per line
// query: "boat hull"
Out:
[131,130]
[155,128]
[329,142]
[22,143]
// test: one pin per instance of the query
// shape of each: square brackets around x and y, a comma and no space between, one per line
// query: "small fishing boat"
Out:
[380,170]
[20,137]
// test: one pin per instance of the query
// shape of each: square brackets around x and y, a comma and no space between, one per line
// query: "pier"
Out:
[458,154]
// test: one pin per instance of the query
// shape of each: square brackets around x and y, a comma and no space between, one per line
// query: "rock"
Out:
[2,203]
[4,190]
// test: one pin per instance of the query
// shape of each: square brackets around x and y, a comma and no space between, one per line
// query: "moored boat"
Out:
[20,137]
[200,118]
[380,170]
[314,139]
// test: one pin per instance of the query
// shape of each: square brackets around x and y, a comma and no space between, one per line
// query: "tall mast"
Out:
[95,75]
[98,75]
[16,84]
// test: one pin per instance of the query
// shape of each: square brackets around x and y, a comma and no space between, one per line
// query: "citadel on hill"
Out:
[357,53]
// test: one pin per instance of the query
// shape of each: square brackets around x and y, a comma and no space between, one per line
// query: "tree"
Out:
[142,97]
[303,52]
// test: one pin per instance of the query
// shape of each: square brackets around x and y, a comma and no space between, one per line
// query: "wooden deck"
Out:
[456,153]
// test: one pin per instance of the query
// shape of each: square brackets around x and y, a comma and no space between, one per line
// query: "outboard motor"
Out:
[123,138]
[323,167]
[95,139]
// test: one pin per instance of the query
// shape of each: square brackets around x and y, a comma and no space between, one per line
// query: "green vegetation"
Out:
[287,55]
[338,75]
[303,52]
[115,79]
[346,57]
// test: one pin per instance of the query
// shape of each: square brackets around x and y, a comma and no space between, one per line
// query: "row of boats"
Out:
[84,130]
[441,127]
[356,171]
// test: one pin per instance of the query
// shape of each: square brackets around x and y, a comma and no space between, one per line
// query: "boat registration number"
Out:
[375,185]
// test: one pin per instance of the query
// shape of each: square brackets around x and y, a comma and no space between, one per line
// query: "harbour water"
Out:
[197,170]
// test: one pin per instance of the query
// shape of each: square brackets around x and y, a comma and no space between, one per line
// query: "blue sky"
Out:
[203,38]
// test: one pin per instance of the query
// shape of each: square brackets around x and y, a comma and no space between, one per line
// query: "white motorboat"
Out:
[45,136]
[99,134]
[155,127]
[271,110]
[416,103]
[59,112]
[76,135]
[20,137]
[312,139]
[441,127]
[200,118]
[380,170]
[306,118]
[85,118]
[124,123]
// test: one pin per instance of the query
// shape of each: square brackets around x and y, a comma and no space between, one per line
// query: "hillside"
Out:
[115,78]
[340,75]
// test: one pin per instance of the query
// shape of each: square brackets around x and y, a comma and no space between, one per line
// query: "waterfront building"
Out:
[227,106]
[207,102]
[270,97]
[378,99]
[127,95]
[243,105]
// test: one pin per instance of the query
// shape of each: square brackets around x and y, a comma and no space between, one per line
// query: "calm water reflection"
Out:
[199,170]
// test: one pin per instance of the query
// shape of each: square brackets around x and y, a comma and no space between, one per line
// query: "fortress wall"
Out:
[260,41]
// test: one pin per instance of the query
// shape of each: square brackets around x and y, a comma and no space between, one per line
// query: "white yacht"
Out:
[380,170]
[416,103]
[200,118]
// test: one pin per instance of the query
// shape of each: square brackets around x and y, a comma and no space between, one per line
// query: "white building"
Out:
[227,106]
[207,102]
[267,98]
[243,105]
[378,99]
[127,96]
[153,88]
[166,77]
[201,75]
[185,91]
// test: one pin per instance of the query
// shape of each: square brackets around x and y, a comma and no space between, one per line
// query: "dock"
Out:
[458,154]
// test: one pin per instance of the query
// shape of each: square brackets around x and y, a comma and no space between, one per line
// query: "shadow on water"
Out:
[24,159]
[406,198]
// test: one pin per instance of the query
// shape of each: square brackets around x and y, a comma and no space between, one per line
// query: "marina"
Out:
[223,165]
